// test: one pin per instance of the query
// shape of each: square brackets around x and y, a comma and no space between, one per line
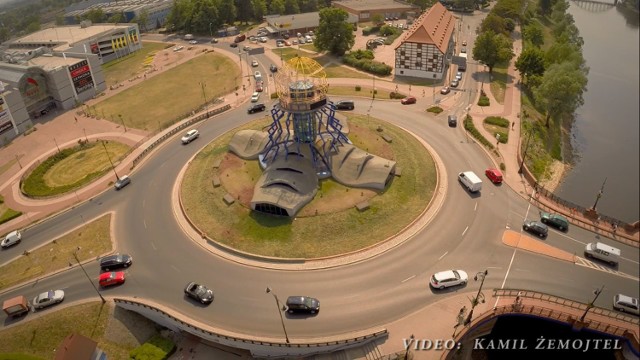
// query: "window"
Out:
[402,53]
[419,55]
[419,46]
[418,64]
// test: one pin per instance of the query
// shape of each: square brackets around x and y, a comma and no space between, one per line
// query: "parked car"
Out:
[302,304]
[459,76]
[285,36]
[463,50]
[193,42]
[557,221]
[233,45]
[454,83]
[115,261]
[273,68]
[494,175]
[626,304]
[255,97]
[256,108]
[264,39]
[448,278]
[199,292]
[464,43]
[259,87]
[302,41]
[408,100]
[257,75]
[11,239]
[254,63]
[214,41]
[445,90]
[48,298]
[536,228]
[178,48]
[246,48]
[122,182]
[452,120]
[111,278]
[190,136]
[345,105]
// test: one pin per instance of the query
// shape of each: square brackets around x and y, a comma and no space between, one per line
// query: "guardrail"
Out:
[263,349]
[172,132]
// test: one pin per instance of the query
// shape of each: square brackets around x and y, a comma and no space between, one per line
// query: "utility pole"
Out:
[590,305]
[110,162]
[474,302]
[269,291]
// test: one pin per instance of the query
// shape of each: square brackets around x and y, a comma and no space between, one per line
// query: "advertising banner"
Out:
[81,76]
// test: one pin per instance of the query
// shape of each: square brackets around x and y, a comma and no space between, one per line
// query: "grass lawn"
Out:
[150,106]
[7,213]
[338,71]
[39,338]
[307,236]
[131,65]
[499,82]
[351,91]
[94,239]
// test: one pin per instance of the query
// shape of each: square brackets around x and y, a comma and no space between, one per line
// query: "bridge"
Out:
[596,5]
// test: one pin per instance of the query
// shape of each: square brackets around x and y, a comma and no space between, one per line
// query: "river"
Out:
[604,135]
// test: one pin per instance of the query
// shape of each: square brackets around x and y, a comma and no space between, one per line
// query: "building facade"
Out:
[297,23]
[365,10]
[426,48]
[155,11]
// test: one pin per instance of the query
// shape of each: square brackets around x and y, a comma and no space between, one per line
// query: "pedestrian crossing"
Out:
[596,266]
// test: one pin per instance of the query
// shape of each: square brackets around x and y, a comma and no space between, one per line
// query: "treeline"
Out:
[23,17]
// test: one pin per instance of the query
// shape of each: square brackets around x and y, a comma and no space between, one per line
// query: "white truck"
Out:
[188,37]
[470,180]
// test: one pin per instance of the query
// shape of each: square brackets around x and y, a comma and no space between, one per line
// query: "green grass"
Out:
[16,356]
[364,91]
[307,236]
[157,347]
[150,105]
[435,109]
[93,239]
[499,82]
[340,71]
[131,65]
[7,213]
[6,166]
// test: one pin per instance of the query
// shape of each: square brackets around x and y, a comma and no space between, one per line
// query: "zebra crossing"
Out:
[593,265]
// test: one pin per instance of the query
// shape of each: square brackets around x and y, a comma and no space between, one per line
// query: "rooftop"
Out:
[66,34]
[375,4]
[433,27]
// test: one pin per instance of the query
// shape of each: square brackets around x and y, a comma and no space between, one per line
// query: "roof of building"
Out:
[433,27]
[110,7]
[67,36]
[76,347]
[361,5]
[300,21]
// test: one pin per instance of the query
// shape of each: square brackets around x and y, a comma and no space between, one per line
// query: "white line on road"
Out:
[443,255]
[153,246]
[409,278]
[475,207]
[465,230]
[145,223]
[175,268]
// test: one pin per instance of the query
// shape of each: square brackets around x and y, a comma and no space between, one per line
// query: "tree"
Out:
[335,33]
[545,6]
[142,19]
[95,16]
[308,6]
[560,52]
[377,19]
[259,9]
[508,9]
[227,11]
[494,23]
[244,10]
[116,18]
[530,62]
[560,90]
[291,7]
[533,33]
[276,7]
[491,49]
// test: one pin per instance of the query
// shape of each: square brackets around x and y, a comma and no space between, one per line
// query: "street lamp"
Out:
[75,255]
[479,297]
[204,95]
[599,194]
[269,291]
[524,154]
[210,31]
[590,305]
[110,162]
[122,120]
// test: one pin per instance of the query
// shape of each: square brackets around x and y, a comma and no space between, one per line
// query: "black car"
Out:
[115,261]
[345,105]
[199,292]
[536,227]
[273,68]
[452,120]
[233,45]
[302,304]
[256,108]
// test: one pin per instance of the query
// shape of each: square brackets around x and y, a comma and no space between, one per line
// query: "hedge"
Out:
[468,125]
[435,109]
[396,95]
[360,60]
[156,348]
[497,120]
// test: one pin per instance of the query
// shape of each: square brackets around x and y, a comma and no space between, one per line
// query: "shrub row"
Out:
[396,95]
[483,101]
[497,121]
[435,109]
[468,125]
[9,214]
[368,65]
[370,30]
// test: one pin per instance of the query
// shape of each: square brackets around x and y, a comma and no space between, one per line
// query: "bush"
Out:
[504,137]
[468,125]
[503,167]
[274,95]
[358,88]
[435,109]
[155,348]
[9,214]
[497,121]
[483,101]
[360,59]
[370,30]
[396,95]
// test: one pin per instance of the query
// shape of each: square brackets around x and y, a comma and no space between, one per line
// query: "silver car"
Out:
[190,136]
[47,299]
[448,278]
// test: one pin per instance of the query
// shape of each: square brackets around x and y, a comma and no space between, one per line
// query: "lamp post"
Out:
[122,120]
[210,31]
[474,302]
[110,162]
[204,95]
[524,154]
[411,340]
[269,291]
[590,305]
[599,194]
[58,147]
[75,255]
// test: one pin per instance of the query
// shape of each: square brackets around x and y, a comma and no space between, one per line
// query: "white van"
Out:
[470,180]
[12,238]
[602,252]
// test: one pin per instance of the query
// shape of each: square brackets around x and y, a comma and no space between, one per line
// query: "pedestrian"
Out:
[513,123]
[75,117]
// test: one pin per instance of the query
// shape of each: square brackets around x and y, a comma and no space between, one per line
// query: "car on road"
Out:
[233,45]
[408,100]
[257,75]
[463,50]
[111,278]
[122,182]
[536,228]
[193,42]
[458,76]
[190,136]
[302,304]
[345,105]
[214,41]
[48,298]
[264,39]
[302,41]
[256,108]
[494,175]
[557,221]
[285,36]
[11,239]
[445,90]
[255,97]
[464,43]
[199,293]
[246,48]
[178,48]
[626,304]
[452,120]
[454,83]
[254,63]
[115,261]
[273,68]
[444,279]
[259,87]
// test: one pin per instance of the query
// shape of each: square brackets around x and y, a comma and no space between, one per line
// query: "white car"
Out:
[626,304]
[448,278]
[254,63]
[257,75]
[48,298]
[190,136]
[458,76]
[11,239]
[255,97]
[193,42]
[263,39]
[178,48]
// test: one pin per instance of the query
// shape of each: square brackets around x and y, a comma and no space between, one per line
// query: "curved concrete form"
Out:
[248,144]
[357,168]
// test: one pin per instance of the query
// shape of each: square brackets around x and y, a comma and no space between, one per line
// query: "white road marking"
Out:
[475,207]
[409,278]
[153,246]
[175,268]
[465,230]
[145,223]
[443,255]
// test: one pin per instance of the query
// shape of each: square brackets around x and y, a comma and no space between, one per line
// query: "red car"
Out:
[111,278]
[408,100]
[494,175]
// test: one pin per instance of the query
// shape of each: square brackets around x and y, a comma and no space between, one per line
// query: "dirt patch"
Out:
[555,174]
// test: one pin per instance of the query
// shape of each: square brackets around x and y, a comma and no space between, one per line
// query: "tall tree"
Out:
[533,33]
[491,48]
[276,7]
[308,6]
[291,7]
[494,23]
[259,9]
[560,91]
[116,18]
[334,33]
[560,52]
[95,15]
[530,63]
[142,19]
[545,6]
[244,10]
[227,11]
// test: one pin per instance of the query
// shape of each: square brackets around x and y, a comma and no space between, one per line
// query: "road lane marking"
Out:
[475,207]
[175,268]
[153,245]
[465,231]
[145,223]
[592,265]
[443,255]
[409,278]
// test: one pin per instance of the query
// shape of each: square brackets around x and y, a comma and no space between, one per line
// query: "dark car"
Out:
[452,120]
[345,105]
[256,108]
[536,227]
[115,261]
[122,182]
[233,45]
[273,68]
[557,221]
[302,304]
[199,292]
